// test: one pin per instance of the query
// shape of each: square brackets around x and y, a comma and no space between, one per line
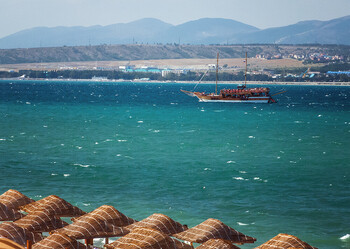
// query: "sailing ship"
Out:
[240,95]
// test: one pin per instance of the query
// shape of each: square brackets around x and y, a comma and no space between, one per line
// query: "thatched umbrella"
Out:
[18,234]
[103,222]
[110,215]
[160,222]
[147,238]
[54,205]
[59,241]
[40,221]
[9,214]
[90,227]
[9,244]
[285,241]
[217,244]
[14,199]
[213,229]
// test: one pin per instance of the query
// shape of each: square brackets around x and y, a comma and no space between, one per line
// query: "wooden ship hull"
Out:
[233,98]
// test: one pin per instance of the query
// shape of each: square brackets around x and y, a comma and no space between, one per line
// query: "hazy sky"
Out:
[16,15]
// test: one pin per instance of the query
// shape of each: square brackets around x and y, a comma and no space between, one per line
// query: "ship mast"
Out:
[217,68]
[245,75]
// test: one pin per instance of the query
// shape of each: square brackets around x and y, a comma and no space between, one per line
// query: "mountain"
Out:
[336,31]
[121,33]
[203,31]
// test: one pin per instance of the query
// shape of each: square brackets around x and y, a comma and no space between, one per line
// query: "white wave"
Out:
[230,162]
[78,147]
[140,121]
[82,165]
[28,103]
[66,175]
[345,237]
[239,178]
[156,131]
[86,204]
[122,140]
[53,174]
[243,172]
[242,224]
[207,169]
[251,137]
[2,139]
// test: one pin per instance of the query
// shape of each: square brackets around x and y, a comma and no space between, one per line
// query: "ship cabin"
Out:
[247,92]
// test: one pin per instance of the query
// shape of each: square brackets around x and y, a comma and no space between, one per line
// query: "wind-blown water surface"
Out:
[146,148]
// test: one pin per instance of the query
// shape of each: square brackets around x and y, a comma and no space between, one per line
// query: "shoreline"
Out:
[189,82]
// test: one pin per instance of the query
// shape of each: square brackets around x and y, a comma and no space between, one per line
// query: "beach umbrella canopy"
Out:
[160,222]
[285,241]
[103,222]
[9,244]
[9,214]
[217,244]
[14,199]
[90,227]
[18,234]
[108,214]
[40,221]
[213,229]
[147,238]
[59,241]
[54,205]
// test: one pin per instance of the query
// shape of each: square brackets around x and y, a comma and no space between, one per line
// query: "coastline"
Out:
[191,82]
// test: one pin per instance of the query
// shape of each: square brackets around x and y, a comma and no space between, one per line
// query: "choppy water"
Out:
[147,148]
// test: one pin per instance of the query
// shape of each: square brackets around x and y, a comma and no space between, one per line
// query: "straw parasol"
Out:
[40,221]
[18,234]
[9,244]
[217,244]
[9,214]
[103,222]
[108,214]
[285,241]
[147,238]
[14,199]
[213,229]
[160,222]
[90,227]
[59,241]
[54,205]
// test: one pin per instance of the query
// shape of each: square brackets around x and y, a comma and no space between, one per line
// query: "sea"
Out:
[145,148]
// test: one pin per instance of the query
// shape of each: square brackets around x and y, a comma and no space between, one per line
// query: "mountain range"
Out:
[203,31]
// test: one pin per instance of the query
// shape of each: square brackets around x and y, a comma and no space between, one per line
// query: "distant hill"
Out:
[152,52]
[121,33]
[336,31]
[203,31]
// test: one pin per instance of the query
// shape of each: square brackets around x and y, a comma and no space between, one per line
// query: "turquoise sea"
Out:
[147,148]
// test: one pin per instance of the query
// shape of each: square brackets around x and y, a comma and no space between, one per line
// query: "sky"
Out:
[17,15]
